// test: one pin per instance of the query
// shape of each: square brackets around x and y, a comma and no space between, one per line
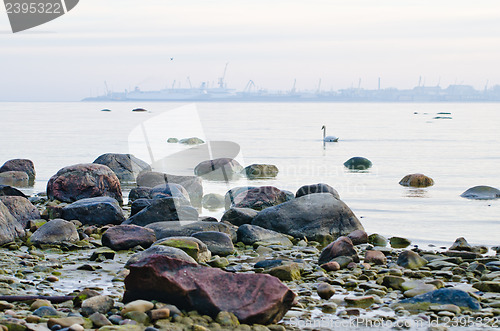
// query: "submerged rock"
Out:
[82,181]
[212,201]
[358,163]
[125,166]
[259,171]
[319,217]
[481,193]
[416,180]
[252,298]
[94,211]
[21,208]
[218,169]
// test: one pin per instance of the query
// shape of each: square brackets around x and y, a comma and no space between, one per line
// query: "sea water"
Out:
[399,138]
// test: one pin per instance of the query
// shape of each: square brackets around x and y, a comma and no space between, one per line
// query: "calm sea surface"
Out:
[399,139]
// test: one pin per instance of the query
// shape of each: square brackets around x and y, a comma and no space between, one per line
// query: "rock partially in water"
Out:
[252,298]
[461,244]
[416,180]
[124,237]
[319,217]
[192,184]
[411,260]
[239,216]
[212,201]
[445,296]
[260,198]
[358,163]
[316,188]
[14,178]
[341,247]
[21,208]
[171,191]
[377,240]
[250,234]
[232,193]
[192,246]
[260,171]
[10,228]
[218,243]
[399,242]
[191,141]
[172,252]
[83,181]
[125,166]
[219,169]
[56,231]
[481,193]
[325,290]
[94,211]
[163,210]
[24,165]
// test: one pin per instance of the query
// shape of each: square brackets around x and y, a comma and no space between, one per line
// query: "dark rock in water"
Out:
[250,234]
[208,219]
[316,188]
[169,251]
[341,247]
[139,193]
[172,140]
[398,242]
[239,216]
[358,163]
[94,211]
[232,193]
[10,228]
[218,169]
[191,141]
[358,237]
[218,243]
[445,296]
[319,217]
[21,208]
[377,240]
[253,298]
[267,264]
[461,244]
[192,184]
[122,237]
[416,180]
[23,165]
[14,178]
[186,229]
[125,166]
[83,181]
[171,191]
[6,190]
[481,193]
[411,260]
[139,110]
[55,232]
[212,201]
[163,210]
[260,198]
[139,205]
[259,171]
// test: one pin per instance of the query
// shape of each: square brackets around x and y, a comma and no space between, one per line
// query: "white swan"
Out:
[330,139]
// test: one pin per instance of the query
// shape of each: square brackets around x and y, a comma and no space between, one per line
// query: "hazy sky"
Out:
[129,43]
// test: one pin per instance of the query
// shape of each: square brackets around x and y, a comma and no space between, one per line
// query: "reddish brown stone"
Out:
[127,236]
[358,237]
[260,198]
[82,181]
[375,257]
[253,298]
[341,247]
[331,266]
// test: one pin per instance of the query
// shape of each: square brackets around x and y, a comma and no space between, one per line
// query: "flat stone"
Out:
[360,302]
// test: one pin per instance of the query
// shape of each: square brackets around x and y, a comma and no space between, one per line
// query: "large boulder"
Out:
[218,169]
[192,184]
[341,247]
[6,190]
[82,181]
[57,231]
[163,210]
[252,298]
[21,208]
[10,228]
[481,193]
[122,237]
[94,211]
[358,163]
[239,216]
[232,193]
[186,229]
[319,217]
[23,165]
[416,180]
[260,198]
[14,178]
[260,171]
[125,166]
[316,188]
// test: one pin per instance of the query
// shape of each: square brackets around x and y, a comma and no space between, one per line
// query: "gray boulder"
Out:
[138,205]
[319,217]
[212,201]
[239,216]
[122,237]
[10,228]
[56,231]
[139,193]
[170,191]
[218,243]
[316,188]
[218,169]
[481,193]
[250,234]
[186,229]
[94,211]
[172,252]
[125,166]
[163,210]
[23,165]
[21,208]
[14,178]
